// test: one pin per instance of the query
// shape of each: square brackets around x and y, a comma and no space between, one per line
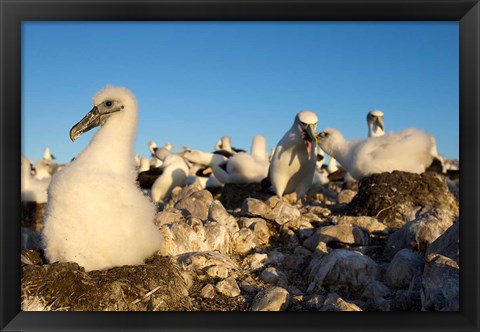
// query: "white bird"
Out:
[375,123]
[409,150]
[224,147]
[96,215]
[293,163]
[332,165]
[224,144]
[42,170]
[376,128]
[175,171]
[47,156]
[321,174]
[195,175]
[152,145]
[32,189]
[215,161]
[168,146]
[46,167]
[137,160]
[251,167]
[144,165]
[154,162]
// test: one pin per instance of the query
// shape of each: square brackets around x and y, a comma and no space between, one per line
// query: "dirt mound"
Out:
[393,197]
[233,195]
[157,285]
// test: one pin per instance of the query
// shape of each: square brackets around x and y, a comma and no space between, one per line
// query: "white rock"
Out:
[200,262]
[218,237]
[342,267]
[274,210]
[196,205]
[418,234]
[273,276]
[347,234]
[228,287]
[254,207]
[168,217]
[271,299]
[276,257]
[244,241]
[218,213]
[371,224]
[333,302]
[315,302]
[346,196]
[180,238]
[284,212]
[208,292]
[259,228]
[447,244]
[441,284]
[218,271]
[405,266]
[375,289]
[256,261]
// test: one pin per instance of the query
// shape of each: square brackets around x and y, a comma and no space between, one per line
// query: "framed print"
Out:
[184,164]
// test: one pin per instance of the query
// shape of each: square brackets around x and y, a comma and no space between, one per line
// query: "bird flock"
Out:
[101,206]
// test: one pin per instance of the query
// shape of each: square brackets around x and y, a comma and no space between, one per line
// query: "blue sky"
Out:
[198,81]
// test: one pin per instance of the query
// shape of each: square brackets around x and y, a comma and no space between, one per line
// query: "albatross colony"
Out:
[96,215]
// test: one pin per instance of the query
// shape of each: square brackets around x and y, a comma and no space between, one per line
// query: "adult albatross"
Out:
[96,215]
[375,123]
[293,163]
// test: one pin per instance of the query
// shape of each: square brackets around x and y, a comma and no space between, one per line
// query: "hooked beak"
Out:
[93,119]
[310,138]
[89,121]
[311,133]
[379,122]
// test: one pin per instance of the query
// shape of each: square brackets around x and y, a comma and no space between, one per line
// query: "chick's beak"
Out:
[89,121]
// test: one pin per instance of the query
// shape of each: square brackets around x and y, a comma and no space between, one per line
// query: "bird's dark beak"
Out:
[379,122]
[311,133]
[89,121]
[311,138]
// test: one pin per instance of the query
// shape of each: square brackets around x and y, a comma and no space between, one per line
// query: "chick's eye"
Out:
[108,103]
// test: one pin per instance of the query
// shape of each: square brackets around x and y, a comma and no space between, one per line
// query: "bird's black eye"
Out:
[303,123]
[108,103]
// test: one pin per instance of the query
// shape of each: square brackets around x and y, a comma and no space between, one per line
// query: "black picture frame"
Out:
[13,12]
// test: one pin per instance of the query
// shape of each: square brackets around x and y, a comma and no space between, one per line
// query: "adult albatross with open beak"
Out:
[293,163]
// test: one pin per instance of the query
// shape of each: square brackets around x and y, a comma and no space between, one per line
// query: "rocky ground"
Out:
[390,243]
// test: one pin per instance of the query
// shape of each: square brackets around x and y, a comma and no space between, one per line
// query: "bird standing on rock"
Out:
[96,215]
[293,163]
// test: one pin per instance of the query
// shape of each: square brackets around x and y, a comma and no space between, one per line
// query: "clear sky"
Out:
[198,81]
